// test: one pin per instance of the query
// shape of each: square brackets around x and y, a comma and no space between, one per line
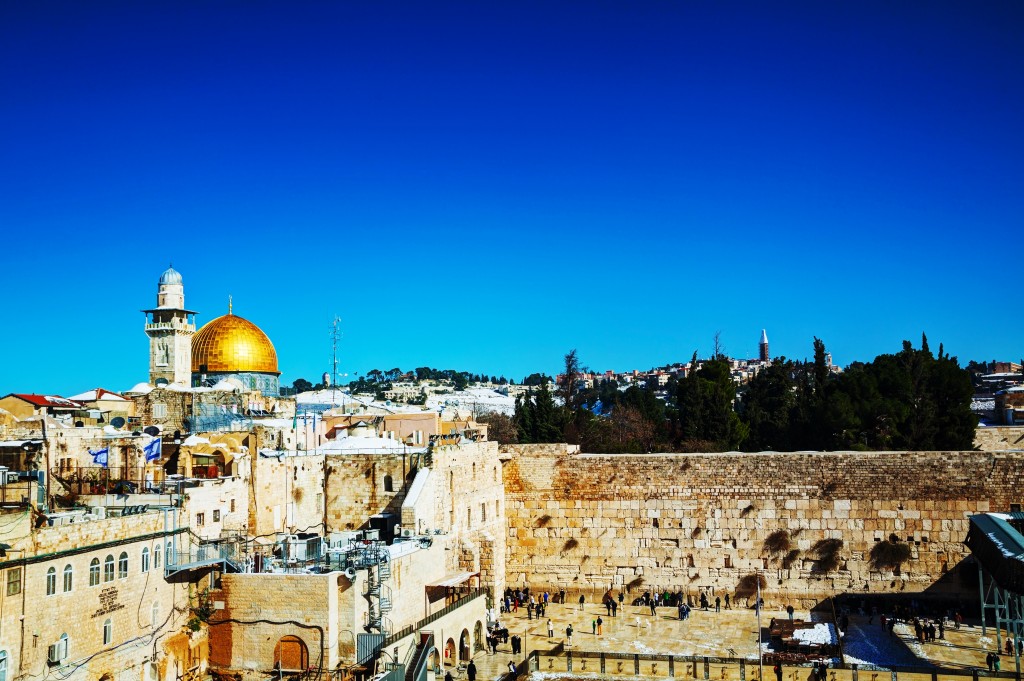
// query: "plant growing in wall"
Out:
[543,521]
[889,554]
[790,558]
[778,542]
[570,544]
[826,554]
[200,609]
[747,586]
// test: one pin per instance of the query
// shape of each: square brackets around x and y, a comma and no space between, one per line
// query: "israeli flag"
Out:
[153,449]
[100,456]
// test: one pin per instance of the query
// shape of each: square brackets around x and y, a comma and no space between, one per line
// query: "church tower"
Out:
[170,327]
[763,347]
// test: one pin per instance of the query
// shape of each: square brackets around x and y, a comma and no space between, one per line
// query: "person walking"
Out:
[778,672]
[551,629]
[727,606]
[621,598]
[512,668]
[582,601]
[561,596]
[654,609]
[599,623]
[718,604]
[471,671]
[568,635]
[593,627]
[988,660]
[448,676]
[789,611]
[615,609]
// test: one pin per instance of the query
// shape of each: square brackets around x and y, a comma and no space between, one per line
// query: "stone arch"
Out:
[291,654]
[434,660]
[389,484]
[449,651]
[465,652]
[478,636]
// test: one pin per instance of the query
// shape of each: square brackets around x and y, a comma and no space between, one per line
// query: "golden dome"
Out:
[234,345]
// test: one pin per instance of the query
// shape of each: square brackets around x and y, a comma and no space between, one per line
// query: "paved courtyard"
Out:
[729,633]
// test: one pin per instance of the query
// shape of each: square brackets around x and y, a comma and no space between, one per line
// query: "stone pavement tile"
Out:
[729,633]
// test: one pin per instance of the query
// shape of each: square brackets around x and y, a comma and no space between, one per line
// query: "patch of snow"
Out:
[822,633]
[367,445]
[641,648]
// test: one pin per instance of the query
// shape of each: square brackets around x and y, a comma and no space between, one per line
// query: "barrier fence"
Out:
[653,666]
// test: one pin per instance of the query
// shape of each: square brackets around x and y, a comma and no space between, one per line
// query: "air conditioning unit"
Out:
[407,533]
[57,652]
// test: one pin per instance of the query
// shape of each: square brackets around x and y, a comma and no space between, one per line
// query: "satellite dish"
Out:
[117,422]
[151,430]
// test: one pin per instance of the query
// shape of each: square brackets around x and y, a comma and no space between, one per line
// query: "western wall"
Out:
[806,522]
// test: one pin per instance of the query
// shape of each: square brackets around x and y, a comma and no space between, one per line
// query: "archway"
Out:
[465,653]
[449,652]
[478,636]
[434,661]
[291,654]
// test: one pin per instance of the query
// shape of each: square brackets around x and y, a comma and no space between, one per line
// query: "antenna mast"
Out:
[335,337]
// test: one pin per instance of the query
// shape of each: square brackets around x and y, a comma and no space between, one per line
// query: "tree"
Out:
[705,402]
[767,407]
[301,385]
[500,427]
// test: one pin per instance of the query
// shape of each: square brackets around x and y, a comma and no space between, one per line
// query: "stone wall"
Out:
[287,493]
[999,438]
[704,521]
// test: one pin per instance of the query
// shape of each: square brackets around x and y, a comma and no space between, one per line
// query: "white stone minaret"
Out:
[763,347]
[170,327]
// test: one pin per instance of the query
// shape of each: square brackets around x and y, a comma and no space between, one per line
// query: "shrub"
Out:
[777,542]
[889,555]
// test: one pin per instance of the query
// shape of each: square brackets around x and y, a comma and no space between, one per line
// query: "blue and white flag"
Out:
[153,449]
[100,456]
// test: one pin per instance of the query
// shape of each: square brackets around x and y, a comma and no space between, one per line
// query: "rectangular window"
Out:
[159,411]
[483,512]
[200,519]
[14,581]
[469,517]
[216,516]
[232,505]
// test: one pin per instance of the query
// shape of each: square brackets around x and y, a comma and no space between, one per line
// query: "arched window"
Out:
[3,665]
[51,581]
[389,485]
[69,574]
[145,559]
[157,553]
[108,569]
[108,631]
[122,566]
[94,572]
[169,558]
[154,615]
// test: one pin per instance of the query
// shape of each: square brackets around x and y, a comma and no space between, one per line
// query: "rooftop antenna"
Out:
[335,337]
[229,303]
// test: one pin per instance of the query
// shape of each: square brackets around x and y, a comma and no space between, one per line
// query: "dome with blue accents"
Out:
[170,276]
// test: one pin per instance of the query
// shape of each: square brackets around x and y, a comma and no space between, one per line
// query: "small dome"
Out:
[231,344]
[170,276]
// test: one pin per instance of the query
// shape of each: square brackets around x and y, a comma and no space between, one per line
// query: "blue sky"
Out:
[484,186]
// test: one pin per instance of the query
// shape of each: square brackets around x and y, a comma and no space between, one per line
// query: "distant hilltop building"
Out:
[764,355]
[228,348]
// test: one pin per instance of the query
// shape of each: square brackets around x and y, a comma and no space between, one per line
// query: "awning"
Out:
[456,578]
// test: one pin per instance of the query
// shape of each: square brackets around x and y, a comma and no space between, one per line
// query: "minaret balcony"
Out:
[169,326]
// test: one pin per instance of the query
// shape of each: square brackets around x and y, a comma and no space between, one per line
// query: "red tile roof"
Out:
[54,401]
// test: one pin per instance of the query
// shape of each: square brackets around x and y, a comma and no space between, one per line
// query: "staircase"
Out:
[417,669]
[378,564]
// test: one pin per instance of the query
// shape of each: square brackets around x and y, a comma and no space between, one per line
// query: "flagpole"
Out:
[760,652]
